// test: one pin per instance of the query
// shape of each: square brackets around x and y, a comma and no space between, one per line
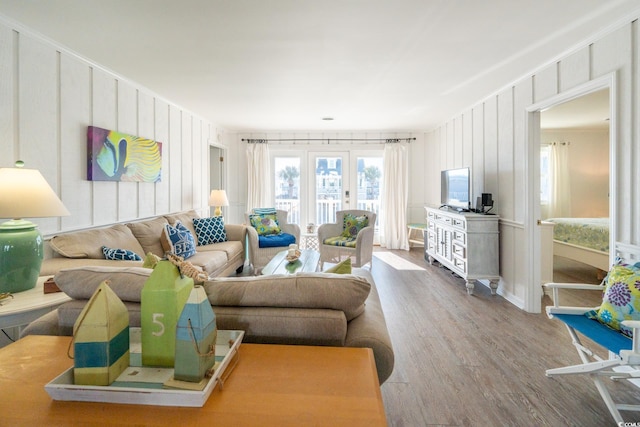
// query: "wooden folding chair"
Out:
[624,353]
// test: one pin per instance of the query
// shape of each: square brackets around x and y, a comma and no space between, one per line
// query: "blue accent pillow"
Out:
[276,240]
[264,211]
[210,230]
[178,240]
[120,254]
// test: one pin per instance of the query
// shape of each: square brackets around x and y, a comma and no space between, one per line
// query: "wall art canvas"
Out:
[115,156]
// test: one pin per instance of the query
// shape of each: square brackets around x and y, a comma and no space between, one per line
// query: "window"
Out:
[287,186]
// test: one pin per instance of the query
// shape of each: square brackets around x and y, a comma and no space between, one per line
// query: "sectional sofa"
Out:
[306,308]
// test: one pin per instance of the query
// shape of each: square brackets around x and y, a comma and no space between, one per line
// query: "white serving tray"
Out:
[63,388]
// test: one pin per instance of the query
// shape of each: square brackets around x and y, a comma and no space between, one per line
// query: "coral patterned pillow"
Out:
[621,299]
[353,224]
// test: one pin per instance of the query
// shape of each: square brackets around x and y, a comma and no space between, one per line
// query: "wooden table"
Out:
[308,262]
[272,385]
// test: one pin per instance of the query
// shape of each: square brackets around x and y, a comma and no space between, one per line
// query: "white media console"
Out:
[466,243]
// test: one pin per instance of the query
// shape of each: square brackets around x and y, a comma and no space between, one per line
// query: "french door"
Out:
[345,180]
[312,186]
[328,186]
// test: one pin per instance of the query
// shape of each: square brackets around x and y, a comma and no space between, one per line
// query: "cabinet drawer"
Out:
[431,226]
[460,251]
[460,223]
[441,218]
[460,263]
[460,237]
[431,236]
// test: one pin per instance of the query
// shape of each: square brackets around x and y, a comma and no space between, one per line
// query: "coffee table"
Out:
[271,385]
[308,263]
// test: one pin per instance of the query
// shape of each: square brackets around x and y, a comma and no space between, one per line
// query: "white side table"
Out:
[27,306]
[309,241]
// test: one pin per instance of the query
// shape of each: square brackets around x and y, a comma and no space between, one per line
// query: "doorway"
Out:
[533,297]
[574,188]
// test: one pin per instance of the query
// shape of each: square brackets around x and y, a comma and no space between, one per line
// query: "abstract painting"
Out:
[115,156]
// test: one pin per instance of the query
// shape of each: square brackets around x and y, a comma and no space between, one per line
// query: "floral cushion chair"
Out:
[351,235]
[268,233]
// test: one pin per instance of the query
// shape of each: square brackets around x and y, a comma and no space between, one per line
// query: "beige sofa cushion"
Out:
[344,292]
[81,282]
[148,234]
[88,244]
[209,261]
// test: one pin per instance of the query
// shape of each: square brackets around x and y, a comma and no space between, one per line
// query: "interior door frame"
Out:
[533,295]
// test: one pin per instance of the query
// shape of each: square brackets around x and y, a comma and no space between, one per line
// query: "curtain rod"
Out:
[328,140]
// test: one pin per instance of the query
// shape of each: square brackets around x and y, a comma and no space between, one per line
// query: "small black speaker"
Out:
[486,199]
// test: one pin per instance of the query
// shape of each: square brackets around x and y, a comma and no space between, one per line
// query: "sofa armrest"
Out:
[45,325]
[236,232]
[370,330]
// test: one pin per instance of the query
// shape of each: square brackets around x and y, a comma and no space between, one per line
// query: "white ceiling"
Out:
[389,65]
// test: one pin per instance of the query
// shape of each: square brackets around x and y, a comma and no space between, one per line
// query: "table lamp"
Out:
[24,193]
[218,198]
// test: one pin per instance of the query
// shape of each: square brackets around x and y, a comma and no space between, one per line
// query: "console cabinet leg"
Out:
[470,285]
[494,287]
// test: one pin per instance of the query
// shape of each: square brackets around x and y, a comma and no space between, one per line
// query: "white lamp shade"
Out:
[218,198]
[24,193]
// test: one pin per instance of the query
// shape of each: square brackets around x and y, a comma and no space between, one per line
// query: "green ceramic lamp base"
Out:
[21,253]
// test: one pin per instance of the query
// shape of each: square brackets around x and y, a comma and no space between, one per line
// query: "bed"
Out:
[584,240]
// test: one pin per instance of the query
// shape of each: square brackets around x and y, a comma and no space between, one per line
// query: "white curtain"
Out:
[259,176]
[560,204]
[393,227]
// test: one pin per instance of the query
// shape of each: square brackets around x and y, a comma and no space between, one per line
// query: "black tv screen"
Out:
[454,188]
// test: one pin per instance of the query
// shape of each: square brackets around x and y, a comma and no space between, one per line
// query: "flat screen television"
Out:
[455,186]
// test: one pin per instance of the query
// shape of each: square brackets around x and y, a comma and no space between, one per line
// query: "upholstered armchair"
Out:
[268,234]
[351,235]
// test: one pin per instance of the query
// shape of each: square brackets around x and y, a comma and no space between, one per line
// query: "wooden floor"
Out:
[478,360]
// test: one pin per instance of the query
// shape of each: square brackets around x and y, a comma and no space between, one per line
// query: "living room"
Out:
[48,83]
[64,93]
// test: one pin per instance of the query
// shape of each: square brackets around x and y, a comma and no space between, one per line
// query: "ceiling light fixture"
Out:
[327,119]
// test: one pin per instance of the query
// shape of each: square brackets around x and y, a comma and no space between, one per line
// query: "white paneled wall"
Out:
[495,142]
[48,98]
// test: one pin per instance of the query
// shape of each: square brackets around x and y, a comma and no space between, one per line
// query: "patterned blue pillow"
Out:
[178,240]
[120,254]
[210,230]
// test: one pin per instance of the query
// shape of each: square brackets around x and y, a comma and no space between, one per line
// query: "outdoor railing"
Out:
[325,209]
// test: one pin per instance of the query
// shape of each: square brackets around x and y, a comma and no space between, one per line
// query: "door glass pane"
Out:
[328,188]
[369,178]
[287,179]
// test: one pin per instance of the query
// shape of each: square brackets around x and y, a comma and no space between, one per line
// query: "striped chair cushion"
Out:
[348,242]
